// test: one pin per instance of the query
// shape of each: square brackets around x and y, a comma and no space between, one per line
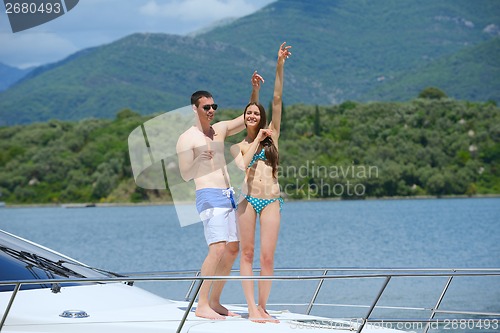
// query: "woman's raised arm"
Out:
[283,54]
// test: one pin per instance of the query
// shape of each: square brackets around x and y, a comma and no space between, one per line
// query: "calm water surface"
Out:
[450,233]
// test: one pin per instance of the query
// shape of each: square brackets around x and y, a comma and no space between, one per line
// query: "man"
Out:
[200,151]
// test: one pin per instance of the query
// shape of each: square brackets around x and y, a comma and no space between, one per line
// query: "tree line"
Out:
[431,145]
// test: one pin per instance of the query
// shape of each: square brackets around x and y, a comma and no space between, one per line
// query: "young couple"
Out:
[227,225]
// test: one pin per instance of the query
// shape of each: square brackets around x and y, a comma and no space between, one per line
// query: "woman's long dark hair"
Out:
[270,149]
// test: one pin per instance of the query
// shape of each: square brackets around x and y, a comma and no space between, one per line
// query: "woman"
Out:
[260,157]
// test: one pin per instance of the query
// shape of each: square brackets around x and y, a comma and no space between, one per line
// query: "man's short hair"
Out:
[199,94]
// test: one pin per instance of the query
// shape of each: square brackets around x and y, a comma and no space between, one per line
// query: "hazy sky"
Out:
[96,22]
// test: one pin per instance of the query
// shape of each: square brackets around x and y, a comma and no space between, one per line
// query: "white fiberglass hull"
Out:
[116,307]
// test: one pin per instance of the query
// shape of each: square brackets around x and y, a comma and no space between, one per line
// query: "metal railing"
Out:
[319,274]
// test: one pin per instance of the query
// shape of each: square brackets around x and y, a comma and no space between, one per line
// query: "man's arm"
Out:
[256,80]
[233,126]
[189,165]
[186,158]
[237,125]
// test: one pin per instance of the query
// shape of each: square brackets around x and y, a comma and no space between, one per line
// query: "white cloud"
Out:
[195,10]
[31,49]
[96,22]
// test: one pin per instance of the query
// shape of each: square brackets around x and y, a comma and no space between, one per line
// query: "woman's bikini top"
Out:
[258,156]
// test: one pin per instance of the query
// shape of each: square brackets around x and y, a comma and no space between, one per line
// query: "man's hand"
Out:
[206,155]
[256,80]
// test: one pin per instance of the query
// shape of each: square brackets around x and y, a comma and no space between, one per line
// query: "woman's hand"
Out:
[263,133]
[284,52]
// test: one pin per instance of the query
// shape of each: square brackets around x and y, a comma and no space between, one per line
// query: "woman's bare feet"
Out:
[266,316]
[255,316]
[207,312]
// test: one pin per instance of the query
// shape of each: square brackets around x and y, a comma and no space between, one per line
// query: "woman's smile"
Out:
[252,116]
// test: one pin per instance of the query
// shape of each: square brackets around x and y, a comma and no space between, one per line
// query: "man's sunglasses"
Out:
[208,106]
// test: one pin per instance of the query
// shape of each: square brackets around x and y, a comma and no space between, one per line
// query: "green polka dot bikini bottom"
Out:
[259,204]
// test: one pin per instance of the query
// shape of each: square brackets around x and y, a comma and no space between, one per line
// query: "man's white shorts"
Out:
[219,225]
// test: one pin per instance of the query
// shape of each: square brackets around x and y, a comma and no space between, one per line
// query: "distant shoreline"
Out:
[170,203]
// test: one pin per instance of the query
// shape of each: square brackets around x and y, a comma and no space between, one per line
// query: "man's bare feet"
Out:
[267,317]
[208,313]
[222,310]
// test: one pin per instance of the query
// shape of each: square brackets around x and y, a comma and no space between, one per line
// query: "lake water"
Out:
[424,233]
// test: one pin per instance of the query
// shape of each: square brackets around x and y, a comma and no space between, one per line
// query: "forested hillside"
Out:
[353,150]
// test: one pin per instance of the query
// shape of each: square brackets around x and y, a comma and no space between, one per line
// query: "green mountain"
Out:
[347,50]
[473,72]
[9,75]
[385,50]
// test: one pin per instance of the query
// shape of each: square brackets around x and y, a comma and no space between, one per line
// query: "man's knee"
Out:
[233,248]
[217,249]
